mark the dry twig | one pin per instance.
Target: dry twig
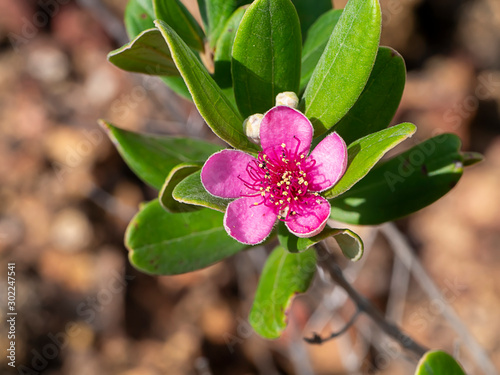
(403, 250)
(326, 262)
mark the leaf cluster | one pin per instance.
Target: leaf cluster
(233, 66)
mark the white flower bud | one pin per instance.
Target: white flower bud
(251, 127)
(288, 98)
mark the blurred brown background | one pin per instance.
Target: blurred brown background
(66, 198)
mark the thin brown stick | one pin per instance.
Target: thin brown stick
(406, 253)
(317, 339)
(325, 261)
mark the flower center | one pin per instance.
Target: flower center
(281, 176)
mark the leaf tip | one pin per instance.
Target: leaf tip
(106, 126)
(159, 24)
(471, 158)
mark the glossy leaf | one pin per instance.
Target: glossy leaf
(284, 275)
(147, 53)
(438, 363)
(266, 55)
(175, 14)
(364, 153)
(210, 101)
(315, 43)
(139, 16)
(309, 13)
(349, 242)
(344, 67)
(403, 184)
(215, 14)
(378, 102)
(222, 58)
(152, 157)
(162, 243)
(176, 175)
(191, 191)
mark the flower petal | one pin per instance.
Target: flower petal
(286, 125)
(310, 222)
(249, 223)
(331, 162)
(221, 172)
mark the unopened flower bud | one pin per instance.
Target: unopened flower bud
(288, 98)
(251, 127)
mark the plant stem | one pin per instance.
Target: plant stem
(317, 339)
(325, 261)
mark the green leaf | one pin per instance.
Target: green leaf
(284, 275)
(211, 102)
(344, 67)
(139, 16)
(162, 243)
(191, 191)
(266, 55)
(175, 14)
(147, 53)
(309, 13)
(364, 153)
(378, 102)
(315, 43)
(176, 175)
(471, 158)
(403, 184)
(349, 242)
(222, 58)
(152, 157)
(215, 14)
(438, 363)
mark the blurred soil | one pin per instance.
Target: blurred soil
(66, 198)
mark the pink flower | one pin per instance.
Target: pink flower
(282, 183)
